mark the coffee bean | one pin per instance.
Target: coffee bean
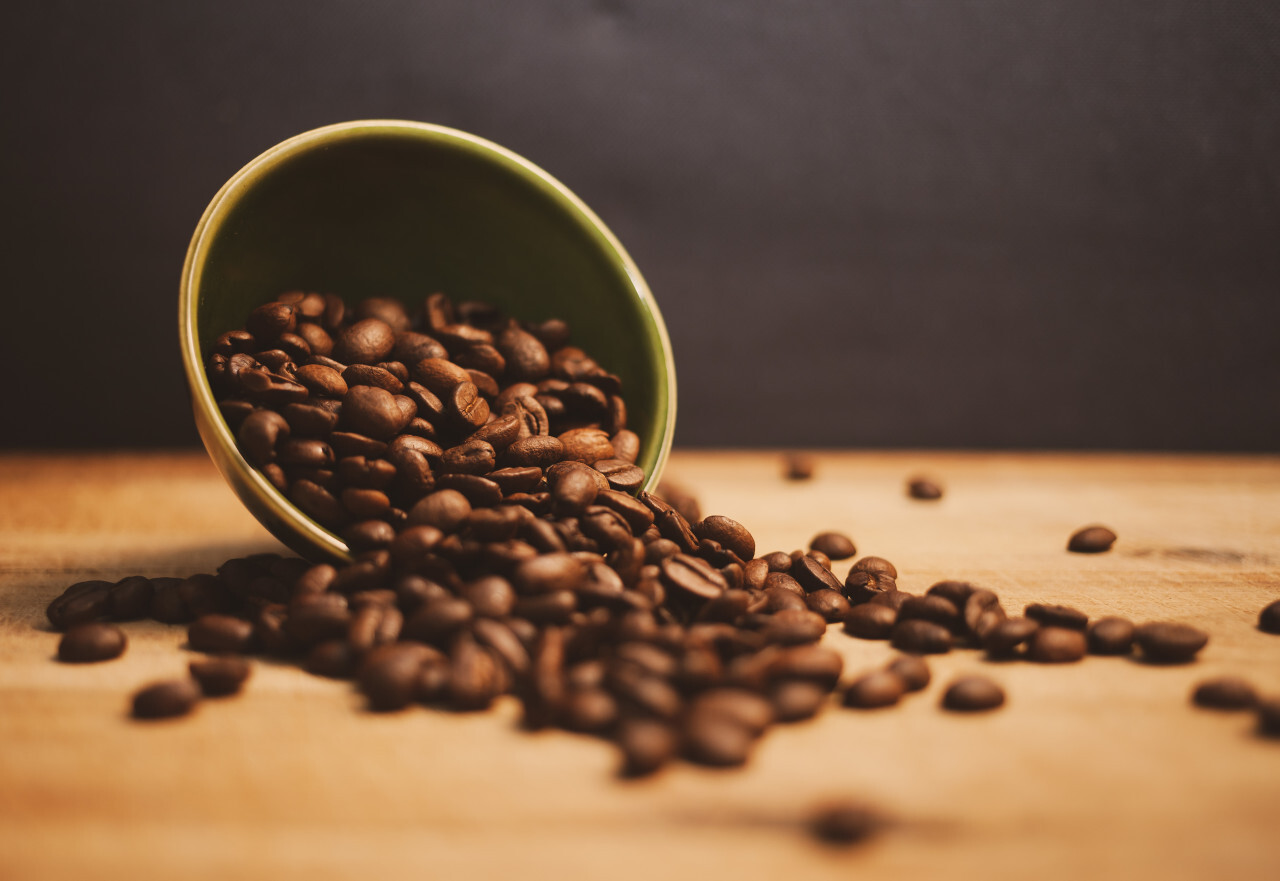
(367, 341)
(982, 613)
(794, 627)
(729, 533)
(880, 688)
(923, 489)
(913, 671)
(870, 621)
(218, 677)
(1225, 693)
(1269, 618)
(1057, 616)
(219, 634)
(94, 641)
(970, 694)
(1166, 642)
(1091, 540)
(831, 605)
(130, 598)
(955, 592)
(813, 575)
(1056, 645)
(1111, 636)
(931, 607)
(163, 700)
(835, 545)
(796, 700)
(647, 745)
(388, 675)
(715, 740)
(797, 466)
(863, 584)
(844, 823)
(921, 637)
(80, 603)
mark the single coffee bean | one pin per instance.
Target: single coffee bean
(921, 637)
(982, 612)
(163, 700)
(389, 674)
(870, 621)
(912, 669)
(1056, 645)
(970, 694)
(813, 575)
(731, 535)
(80, 603)
(1091, 540)
(1269, 618)
(880, 688)
(794, 627)
(1225, 693)
(830, 604)
(836, 545)
(218, 677)
(220, 634)
(716, 740)
(795, 700)
(798, 466)
(931, 607)
(923, 489)
(1057, 616)
(1111, 636)
(646, 744)
(367, 341)
(86, 643)
(1167, 642)
(130, 598)
(844, 823)
(890, 599)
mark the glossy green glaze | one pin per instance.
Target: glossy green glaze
(401, 209)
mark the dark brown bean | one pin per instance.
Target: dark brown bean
(1225, 693)
(924, 489)
(94, 641)
(972, 694)
(219, 677)
(646, 744)
(797, 466)
(163, 700)
(1167, 642)
(796, 700)
(1091, 540)
(913, 670)
(836, 545)
(813, 574)
(1003, 639)
(1057, 616)
(1269, 717)
(1269, 618)
(220, 634)
(921, 637)
(1056, 645)
(844, 823)
(879, 688)
(1111, 636)
(870, 621)
(830, 604)
(367, 341)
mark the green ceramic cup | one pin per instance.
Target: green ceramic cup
(401, 209)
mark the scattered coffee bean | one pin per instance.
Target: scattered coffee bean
(920, 637)
(1091, 540)
(798, 466)
(1003, 639)
(167, 699)
(220, 634)
(1269, 618)
(870, 621)
(1167, 642)
(1269, 717)
(844, 823)
(880, 688)
(923, 489)
(1056, 645)
(218, 677)
(794, 700)
(1111, 636)
(86, 643)
(1225, 693)
(912, 669)
(972, 694)
(836, 545)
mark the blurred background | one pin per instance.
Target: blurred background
(1044, 223)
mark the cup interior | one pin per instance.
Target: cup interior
(402, 209)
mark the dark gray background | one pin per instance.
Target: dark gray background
(1048, 223)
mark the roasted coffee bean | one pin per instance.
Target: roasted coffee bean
(893, 599)
(862, 586)
(1269, 717)
(369, 374)
(317, 617)
(923, 489)
(130, 598)
(971, 694)
(372, 411)
(813, 575)
(646, 744)
(163, 700)
(590, 711)
(1056, 645)
(693, 577)
(830, 604)
(1269, 618)
(622, 476)
(836, 545)
(1091, 540)
(931, 607)
(796, 700)
(1003, 639)
(955, 592)
(367, 341)
(332, 658)
(1057, 616)
(912, 669)
(982, 612)
(626, 443)
(220, 634)
(219, 677)
(794, 627)
(444, 509)
(1225, 693)
(588, 445)
(844, 823)
(822, 558)
(87, 643)
(80, 603)
(920, 637)
(870, 621)
(322, 380)
(710, 739)
(388, 675)
(879, 688)
(1111, 636)
(729, 534)
(372, 625)
(1167, 642)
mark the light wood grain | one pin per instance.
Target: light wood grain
(1100, 769)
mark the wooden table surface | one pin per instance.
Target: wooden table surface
(1100, 769)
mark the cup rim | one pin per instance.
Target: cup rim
(270, 506)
